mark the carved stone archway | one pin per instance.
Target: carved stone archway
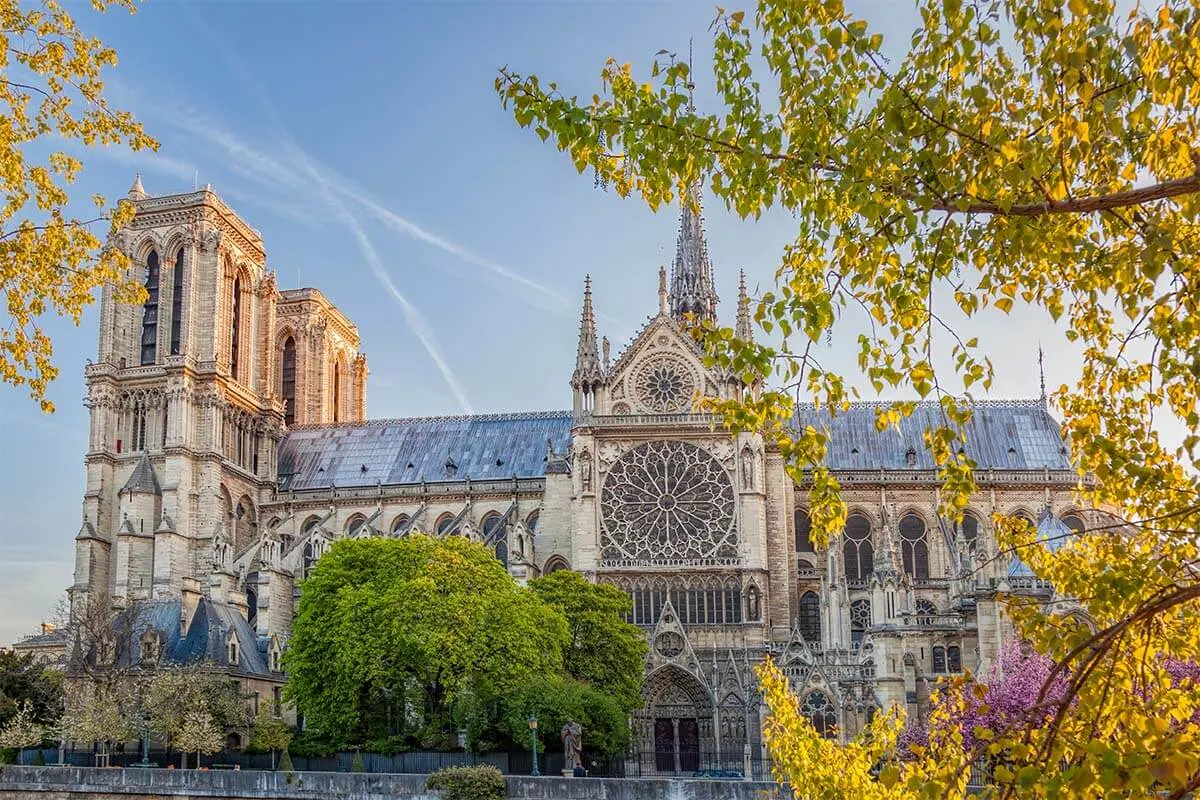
(675, 724)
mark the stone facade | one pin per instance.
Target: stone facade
(226, 459)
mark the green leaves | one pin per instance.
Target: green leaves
(932, 191)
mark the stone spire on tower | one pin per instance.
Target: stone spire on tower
(743, 330)
(137, 191)
(692, 289)
(587, 357)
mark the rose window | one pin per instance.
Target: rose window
(667, 501)
(664, 385)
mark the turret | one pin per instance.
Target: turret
(588, 375)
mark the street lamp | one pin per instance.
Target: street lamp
(533, 734)
(145, 740)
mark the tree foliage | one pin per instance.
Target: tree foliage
(24, 680)
(270, 732)
(555, 700)
(170, 694)
(50, 258)
(199, 734)
(23, 730)
(1008, 153)
(435, 625)
(604, 650)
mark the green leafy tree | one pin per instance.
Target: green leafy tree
(270, 732)
(51, 261)
(199, 734)
(421, 624)
(604, 650)
(23, 730)
(23, 679)
(1002, 154)
(285, 762)
(555, 700)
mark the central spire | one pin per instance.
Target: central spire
(692, 289)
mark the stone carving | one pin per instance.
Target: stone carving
(667, 501)
(572, 738)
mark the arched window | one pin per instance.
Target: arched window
(252, 607)
(954, 658)
(177, 305)
(309, 525)
(860, 620)
(399, 524)
(308, 560)
(913, 548)
(1074, 522)
(337, 391)
(821, 714)
(810, 618)
(970, 530)
(236, 327)
(355, 525)
(939, 660)
(491, 527)
(150, 311)
(502, 553)
(555, 564)
(444, 522)
(288, 387)
(531, 522)
(856, 549)
(803, 532)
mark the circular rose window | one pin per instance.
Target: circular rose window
(667, 501)
(665, 385)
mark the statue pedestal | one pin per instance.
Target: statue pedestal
(568, 773)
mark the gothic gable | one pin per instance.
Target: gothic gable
(661, 372)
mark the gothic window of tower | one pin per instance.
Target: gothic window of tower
(177, 291)
(338, 371)
(914, 549)
(857, 550)
(287, 379)
(149, 351)
(237, 318)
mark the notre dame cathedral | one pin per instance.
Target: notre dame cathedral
(230, 446)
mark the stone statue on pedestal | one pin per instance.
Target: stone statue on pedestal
(572, 738)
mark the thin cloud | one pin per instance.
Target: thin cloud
(416, 321)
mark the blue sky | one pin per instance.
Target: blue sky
(366, 143)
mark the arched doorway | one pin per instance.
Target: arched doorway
(675, 722)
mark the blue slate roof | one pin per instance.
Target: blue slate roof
(1007, 434)
(206, 637)
(397, 451)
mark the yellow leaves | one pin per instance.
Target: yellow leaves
(51, 263)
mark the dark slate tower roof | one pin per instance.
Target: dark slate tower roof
(1002, 435)
(143, 478)
(430, 449)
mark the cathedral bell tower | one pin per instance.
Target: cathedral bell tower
(185, 414)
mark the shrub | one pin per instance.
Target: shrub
(285, 763)
(481, 782)
(38, 760)
(313, 745)
(357, 764)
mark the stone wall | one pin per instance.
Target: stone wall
(87, 783)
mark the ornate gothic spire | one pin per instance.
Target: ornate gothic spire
(137, 191)
(692, 289)
(587, 357)
(743, 330)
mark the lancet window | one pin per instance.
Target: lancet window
(803, 524)
(177, 305)
(914, 549)
(810, 618)
(150, 311)
(697, 601)
(856, 548)
(288, 381)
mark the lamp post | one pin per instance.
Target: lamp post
(533, 734)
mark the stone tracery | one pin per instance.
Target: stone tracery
(667, 501)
